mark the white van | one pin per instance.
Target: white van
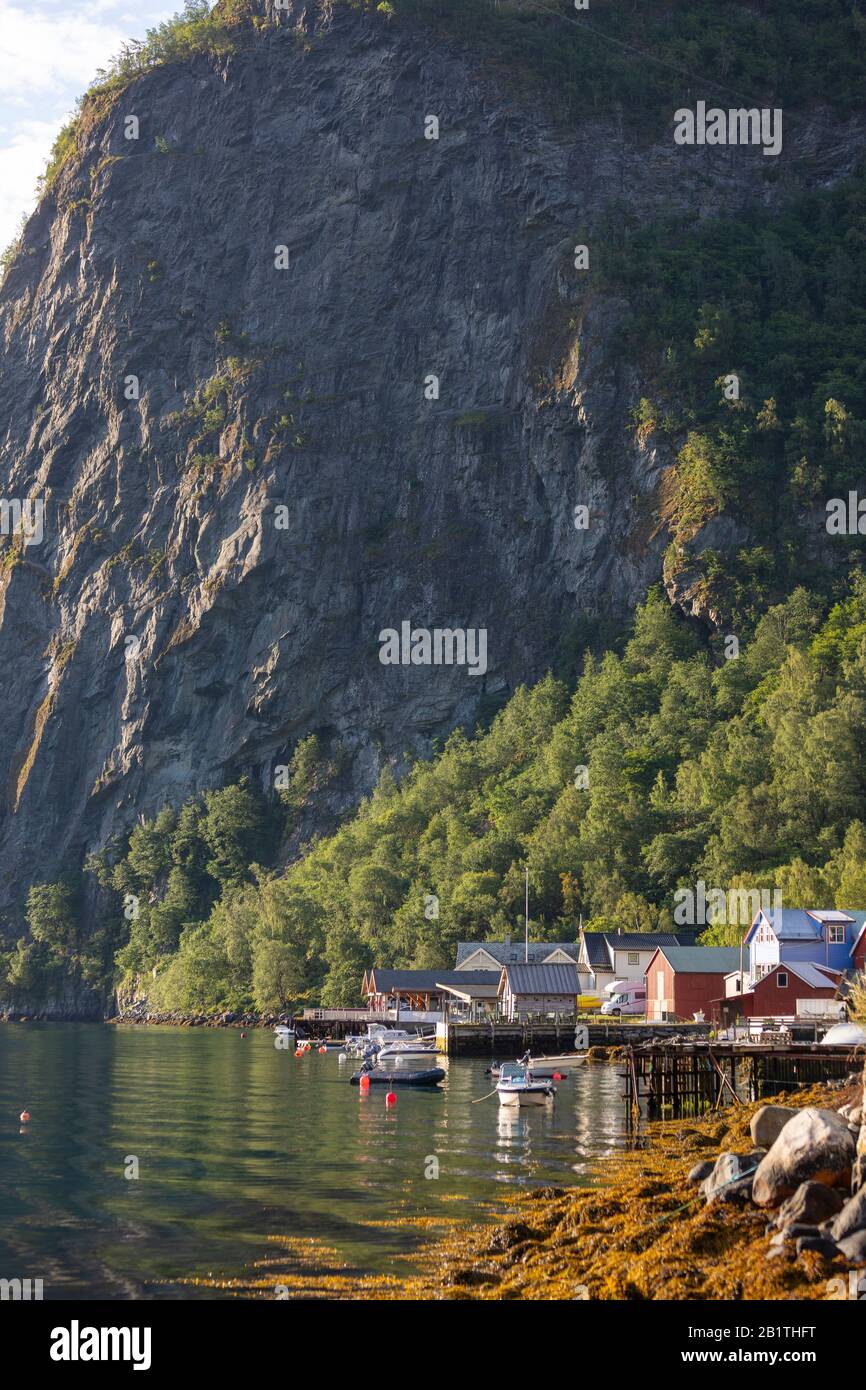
(628, 997)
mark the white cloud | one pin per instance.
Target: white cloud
(50, 53)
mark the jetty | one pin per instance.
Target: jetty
(690, 1077)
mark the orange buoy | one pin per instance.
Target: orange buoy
(323, 1049)
(364, 1085)
(299, 1052)
(557, 1076)
(390, 1099)
(25, 1117)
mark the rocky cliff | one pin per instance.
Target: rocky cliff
(218, 346)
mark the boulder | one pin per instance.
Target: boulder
(731, 1178)
(768, 1122)
(700, 1171)
(823, 1245)
(811, 1204)
(851, 1218)
(814, 1145)
(853, 1247)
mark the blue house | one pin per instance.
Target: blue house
(817, 935)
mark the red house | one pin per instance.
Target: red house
(858, 950)
(684, 980)
(782, 991)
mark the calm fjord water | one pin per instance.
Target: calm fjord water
(238, 1143)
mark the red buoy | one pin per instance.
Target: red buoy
(364, 1085)
(557, 1076)
(243, 1035)
(323, 1049)
(25, 1117)
(390, 1099)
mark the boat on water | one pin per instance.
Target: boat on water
(407, 1050)
(546, 1067)
(517, 1085)
(284, 1032)
(429, 1076)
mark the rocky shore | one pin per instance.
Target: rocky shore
(755, 1202)
(140, 1012)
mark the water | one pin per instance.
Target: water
(248, 1154)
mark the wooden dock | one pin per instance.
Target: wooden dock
(505, 1041)
(678, 1079)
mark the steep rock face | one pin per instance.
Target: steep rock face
(174, 627)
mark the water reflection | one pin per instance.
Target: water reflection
(239, 1142)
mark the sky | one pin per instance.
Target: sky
(49, 53)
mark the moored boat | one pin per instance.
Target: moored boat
(429, 1076)
(518, 1086)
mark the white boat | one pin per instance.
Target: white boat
(518, 1086)
(407, 1050)
(546, 1066)
(283, 1032)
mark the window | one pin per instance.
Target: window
(782, 979)
(633, 958)
(837, 936)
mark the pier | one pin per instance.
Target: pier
(677, 1079)
(504, 1040)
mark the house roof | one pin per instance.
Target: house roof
(801, 923)
(514, 952)
(385, 981)
(859, 929)
(643, 940)
(702, 960)
(542, 979)
(600, 945)
(812, 974)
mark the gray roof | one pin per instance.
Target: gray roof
(703, 960)
(801, 924)
(543, 979)
(645, 940)
(810, 973)
(514, 952)
(600, 945)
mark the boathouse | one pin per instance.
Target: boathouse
(541, 991)
(418, 991)
(685, 980)
(791, 990)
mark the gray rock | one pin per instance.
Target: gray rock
(814, 1145)
(252, 638)
(851, 1218)
(822, 1244)
(767, 1123)
(730, 1179)
(700, 1171)
(812, 1203)
(853, 1247)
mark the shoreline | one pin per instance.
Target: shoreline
(642, 1232)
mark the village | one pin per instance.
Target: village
(792, 970)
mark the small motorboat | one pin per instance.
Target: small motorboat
(430, 1076)
(407, 1050)
(283, 1032)
(546, 1066)
(518, 1086)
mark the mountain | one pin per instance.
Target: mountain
(219, 340)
